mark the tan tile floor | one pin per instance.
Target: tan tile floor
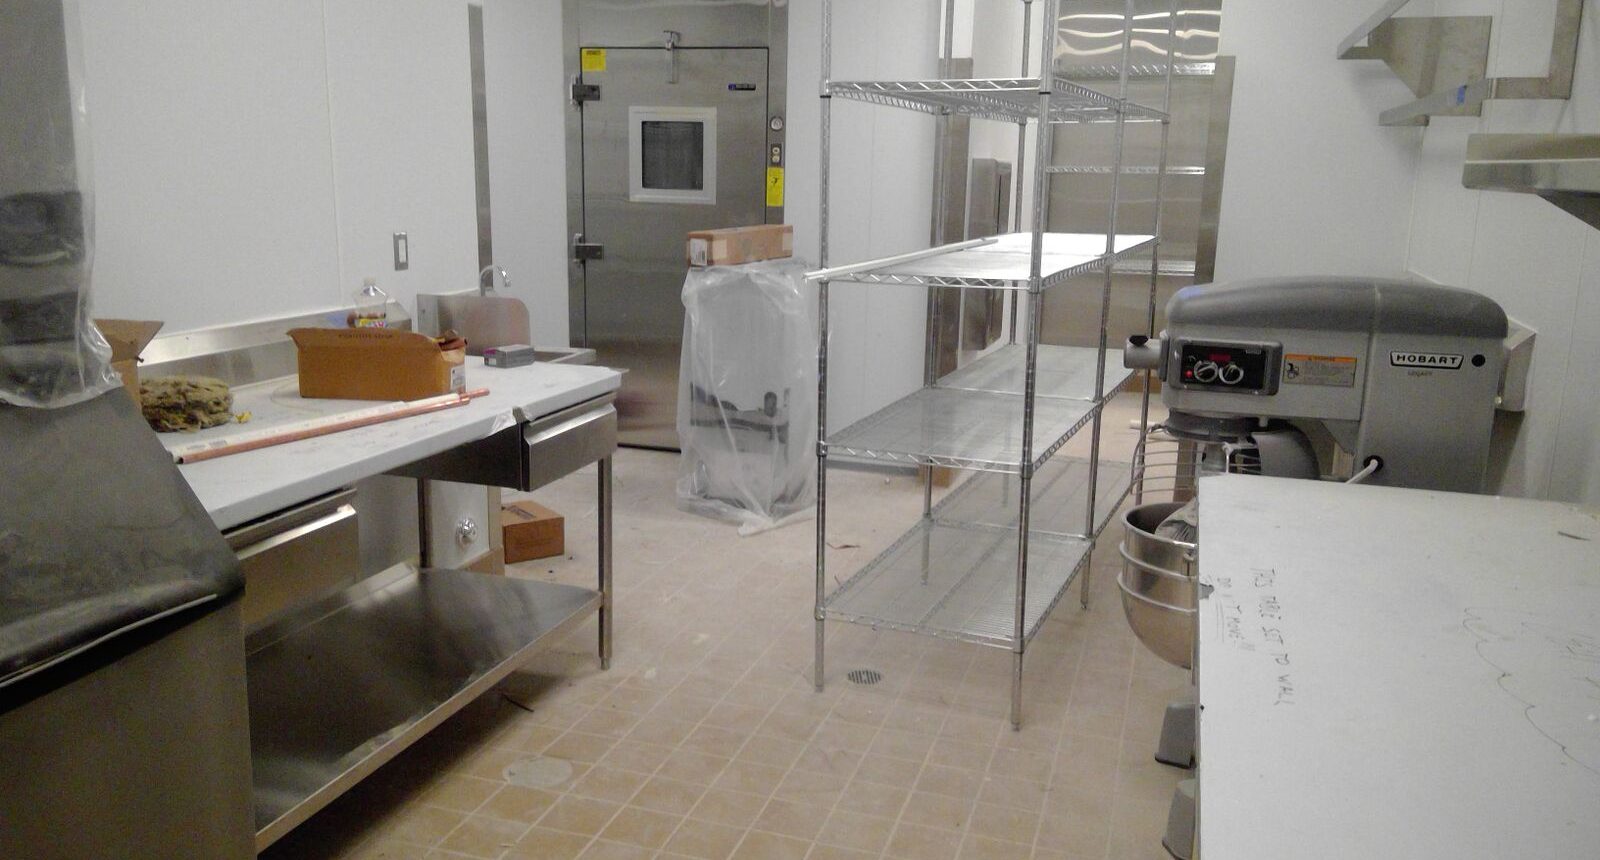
(705, 739)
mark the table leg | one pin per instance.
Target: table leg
(605, 562)
(424, 529)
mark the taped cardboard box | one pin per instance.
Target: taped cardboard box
(735, 245)
(531, 531)
(128, 338)
(378, 364)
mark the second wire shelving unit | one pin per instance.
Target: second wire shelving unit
(994, 556)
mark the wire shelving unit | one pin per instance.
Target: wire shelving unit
(990, 561)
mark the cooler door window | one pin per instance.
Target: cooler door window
(672, 155)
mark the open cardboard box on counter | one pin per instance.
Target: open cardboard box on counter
(377, 364)
(128, 338)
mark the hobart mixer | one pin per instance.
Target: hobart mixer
(1386, 382)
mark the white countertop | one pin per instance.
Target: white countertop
(1396, 673)
(242, 487)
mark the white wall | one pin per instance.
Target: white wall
(212, 160)
(400, 95)
(527, 168)
(1540, 263)
(881, 189)
(1314, 185)
(252, 160)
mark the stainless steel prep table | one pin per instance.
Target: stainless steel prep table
(340, 686)
(1396, 673)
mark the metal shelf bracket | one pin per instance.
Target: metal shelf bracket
(1444, 61)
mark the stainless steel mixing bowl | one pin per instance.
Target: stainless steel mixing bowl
(1157, 583)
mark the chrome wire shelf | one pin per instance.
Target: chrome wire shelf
(1000, 99)
(1061, 371)
(1127, 170)
(953, 575)
(1136, 71)
(958, 582)
(960, 429)
(1060, 491)
(1166, 268)
(973, 417)
(969, 570)
(1002, 264)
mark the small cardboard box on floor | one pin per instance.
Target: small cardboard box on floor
(735, 245)
(532, 531)
(128, 338)
(377, 364)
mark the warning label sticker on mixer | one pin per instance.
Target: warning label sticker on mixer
(1333, 370)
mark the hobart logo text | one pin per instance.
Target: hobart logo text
(1425, 359)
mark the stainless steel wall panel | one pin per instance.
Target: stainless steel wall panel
(1091, 33)
(1090, 44)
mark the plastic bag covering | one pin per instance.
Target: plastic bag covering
(747, 394)
(50, 352)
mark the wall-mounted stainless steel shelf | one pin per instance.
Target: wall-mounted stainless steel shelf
(1366, 28)
(1001, 99)
(1444, 61)
(1562, 168)
(1004, 263)
(959, 582)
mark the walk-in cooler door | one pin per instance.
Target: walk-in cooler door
(674, 140)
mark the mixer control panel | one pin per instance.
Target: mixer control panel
(1245, 368)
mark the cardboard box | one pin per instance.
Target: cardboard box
(531, 531)
(377, 364)
(128, 338)
(735, 245)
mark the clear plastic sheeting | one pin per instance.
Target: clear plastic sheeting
(747, 394)
(50, 352)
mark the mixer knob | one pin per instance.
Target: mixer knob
(1206, 372)
(1231, 374)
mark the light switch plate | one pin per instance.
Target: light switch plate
(402, 252)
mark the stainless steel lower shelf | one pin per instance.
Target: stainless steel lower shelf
(958, 582)
(342, 686)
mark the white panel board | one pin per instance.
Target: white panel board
(1396, 673)
(213, 175)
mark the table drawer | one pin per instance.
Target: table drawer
(297, 555)
(530, 454)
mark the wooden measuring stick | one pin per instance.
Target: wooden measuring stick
(269, 437)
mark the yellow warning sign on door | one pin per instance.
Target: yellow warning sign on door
(774, 186)
(593, 59)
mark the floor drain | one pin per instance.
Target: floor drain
(540, 772)
(865, 677)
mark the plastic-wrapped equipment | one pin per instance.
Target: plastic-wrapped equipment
(747, 394)
(50, 352)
